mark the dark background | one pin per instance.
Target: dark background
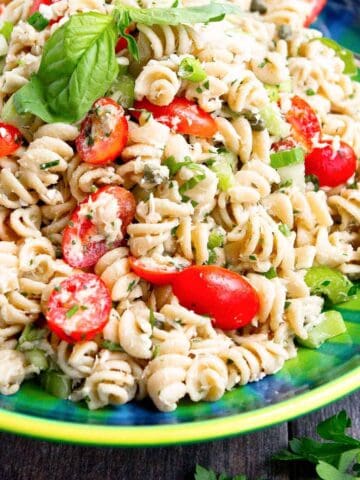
(26, 459)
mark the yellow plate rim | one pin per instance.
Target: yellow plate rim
(157, 435)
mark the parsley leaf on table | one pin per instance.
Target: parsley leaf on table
(334, 458)
(204, 474)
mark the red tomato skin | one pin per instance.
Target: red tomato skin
(156, 277)
(36, 5)
(56, 311)
(107, 148)
(318, 7)
(182, 115)
(11, 140)
(332, 168)
(215, 291)
(305, 124)
(80, 228)
(120, 44)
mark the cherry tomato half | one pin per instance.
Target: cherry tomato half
(305, 124)
(224, 295)
(154, 273)
(318, 5)
(79, 307)
(103, 134)
(85, 237)
(10, 139)
(332, 167)
(182, 115)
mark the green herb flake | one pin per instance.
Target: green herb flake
(287, 305)
(131, 286)
(253, 257)
(314, 180)
(112, 346)
(72, 311)
(38, 21)
(285, 230)
(190, 69)
(152, 318)
(45, 166)
(310, 92)
(271, 273)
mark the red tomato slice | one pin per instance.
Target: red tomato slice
(305, 124)
(79, 307)
(224, 295)
(331, 167)
(10, 139)
(83, 241)
(156, 274)
(103, 134)
(121, 44)
(36, 6)
(182, 115)
(318, 6)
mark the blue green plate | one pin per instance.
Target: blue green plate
(310, 381)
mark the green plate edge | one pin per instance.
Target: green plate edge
(162, 435)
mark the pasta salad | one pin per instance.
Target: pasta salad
(179, 194)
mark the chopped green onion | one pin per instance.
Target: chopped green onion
(123, 91)
(216, 239)
(175, 166)
(223, 166)
(336, 290)
(112, 346)
(38, 21)
(190, 69)
(331, 326)
(271, 273)
(6, 30)
(70, 313)
(10, 115)
(284, 158)
(273, 121)
(37, 358)
(56, 383)
(343, 53)
(31, 334)
(284, 229)
(274, 91)
(310, 92)
(156, 351)
(45, 166)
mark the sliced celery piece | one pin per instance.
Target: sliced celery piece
(223, 166)
(329, 282)
(37, 358)
(331, 326)
(56, 383)
(274, 122)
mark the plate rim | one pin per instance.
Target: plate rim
(180, 433)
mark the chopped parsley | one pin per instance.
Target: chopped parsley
(71, 312)
(45, 166)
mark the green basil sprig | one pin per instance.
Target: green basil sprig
(79, 62)
(77, 67)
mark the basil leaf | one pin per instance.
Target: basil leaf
(214, 12)
(328, 472)
(77, 67)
